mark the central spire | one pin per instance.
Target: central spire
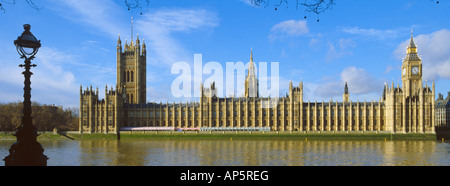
(251, 66)
(346, 88)
(131, 31)
(251, 82)
(251, 54)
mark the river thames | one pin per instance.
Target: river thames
(241, 152)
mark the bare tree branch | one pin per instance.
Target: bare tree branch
(318, 6)
(13, 2)
(136, 4)
(32, 5)
(315, 6)
(3, 2)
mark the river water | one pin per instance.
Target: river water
(240, 152)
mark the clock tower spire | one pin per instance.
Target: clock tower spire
(411, 70)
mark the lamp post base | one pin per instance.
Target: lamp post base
(23, 154)
(26, 151)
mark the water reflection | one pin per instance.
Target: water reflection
(241, 152)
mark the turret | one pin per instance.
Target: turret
(345, 97)
(290, 86)
(144, 49)
(119, 45)
(138, 45)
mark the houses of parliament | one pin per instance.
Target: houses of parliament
(409, 108)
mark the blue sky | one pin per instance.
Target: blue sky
(361, 42)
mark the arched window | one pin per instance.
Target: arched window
(131, 98)
(128, 76)
(132, 76)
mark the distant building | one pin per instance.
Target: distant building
(406, 109)
(443, 111)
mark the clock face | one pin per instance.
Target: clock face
(415, 70)
(404, 71)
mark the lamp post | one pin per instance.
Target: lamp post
(26, 151)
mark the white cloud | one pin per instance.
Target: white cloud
(389, 68)
(289, 28)
(371, 32)
(52, 80)
(101, 14)
(159, 26)
(434, 50)
(159, 29)
(329, 89)
(247, 2)
(342, 49)
(359, 81)
(51, 74)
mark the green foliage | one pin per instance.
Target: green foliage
(45, 117)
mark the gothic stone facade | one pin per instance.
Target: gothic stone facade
(443, 111)
(407, 109)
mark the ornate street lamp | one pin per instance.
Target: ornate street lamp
(26, 151)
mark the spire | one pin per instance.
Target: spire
(411, 51)
(119, 45)
(251, 82)
(411, 42)
(137, 39)
(251, 66)
(144, 50)
(346, 88)
(131, 29)
(345, 97)
(433, 86)
(301, 83)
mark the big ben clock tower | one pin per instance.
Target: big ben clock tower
(411, 70)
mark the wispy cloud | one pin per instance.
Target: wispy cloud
(339, 49)
(53, 80)
(100, 14)
(288, 29)
(360, 82)
(160, 26)
(247, 2)
(159, 29)
(372, 32)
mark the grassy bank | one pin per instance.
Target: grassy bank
(233, 136)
